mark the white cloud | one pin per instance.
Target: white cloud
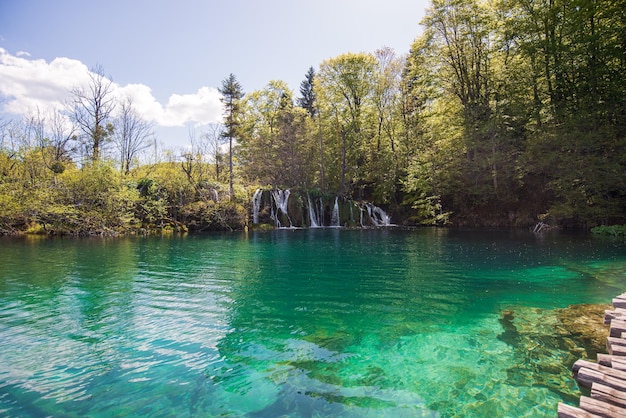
(28, 84)
(203, 107)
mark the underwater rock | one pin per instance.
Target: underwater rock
(550, 341)
(584, 325)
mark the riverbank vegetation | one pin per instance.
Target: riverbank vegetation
(503, 114)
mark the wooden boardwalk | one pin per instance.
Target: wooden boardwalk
(607, 377)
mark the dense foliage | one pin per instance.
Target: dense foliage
(504, 113)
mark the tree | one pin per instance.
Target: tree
(308, 98)
(53, 135)
(387, 160)
(232, 93)
(213, 139)
(344, 87)
(132, 134)
(91, 108)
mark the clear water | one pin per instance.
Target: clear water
(298, 323)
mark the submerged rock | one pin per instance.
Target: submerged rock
(548, 343)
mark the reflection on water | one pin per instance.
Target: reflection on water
(300, 323)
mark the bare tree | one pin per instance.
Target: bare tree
(132, 134)
(91, 108)
(214, 139)
(53, 135)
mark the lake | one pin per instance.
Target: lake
(299, 323)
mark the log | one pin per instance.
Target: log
(587, 377)
(616, 350)
(596, 406)
(608, 371)
(618, 302)
(616, 340)
(617, 327)
(616, 346)
(616, 362)
(568, 411)
(617, 313)
(605, 360)
(607, 394)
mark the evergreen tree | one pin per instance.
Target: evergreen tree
(232, 94)
(307, 101)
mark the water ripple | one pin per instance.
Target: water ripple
(289, 323)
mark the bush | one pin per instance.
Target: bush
(611, 230)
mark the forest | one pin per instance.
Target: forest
(503, 114)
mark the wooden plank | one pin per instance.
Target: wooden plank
(616, 340)
(607, 394)
(609, 371)
(605, 360)
(616, 346)
(596, 406)
(586, 377)
(568, 411)
(617, 313)
(616, 350)
(615, 362)
(619, 302)
(617, 327)
(618, 362)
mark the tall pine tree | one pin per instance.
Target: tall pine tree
(307, 101)
(232, 94)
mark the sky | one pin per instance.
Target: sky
(170, 57)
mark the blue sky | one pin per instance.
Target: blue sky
(170, 56)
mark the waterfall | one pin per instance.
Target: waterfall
(384, 219)
(378, 216)
(256, 205)
(334, 219)
(315, 223)
(320, 201)
(281, 198)
(361, 216)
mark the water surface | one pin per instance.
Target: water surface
(297, 323)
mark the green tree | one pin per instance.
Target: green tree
(232, 93)
(344, 87)
(307, 94)
(575, 154)
(277, 147)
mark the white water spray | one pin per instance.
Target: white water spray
(377, 216)
(314, 221)
(281, 198)
(334, 219)
(256, 205)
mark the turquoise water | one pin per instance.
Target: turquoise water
(298, 323)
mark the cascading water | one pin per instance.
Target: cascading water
(380, 217)
(314, 221)
(256, 205)
(281, 198)
(377, 216)
(334, 219)
(319, 212)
